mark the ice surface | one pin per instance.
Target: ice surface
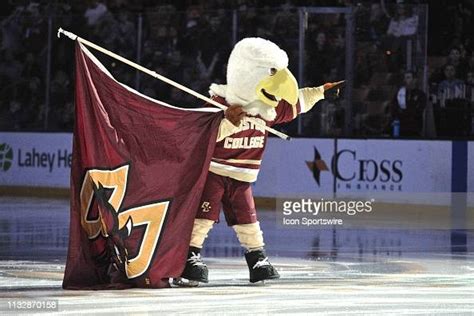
(330, 271)
(438, 285)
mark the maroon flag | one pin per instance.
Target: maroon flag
(138, 170)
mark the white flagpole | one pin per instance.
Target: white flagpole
(156, 75)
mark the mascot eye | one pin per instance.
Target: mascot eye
(272, 71)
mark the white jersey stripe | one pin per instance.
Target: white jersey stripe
(234, 169)
(238, 173)
(242, 161)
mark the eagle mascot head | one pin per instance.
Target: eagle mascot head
(258, 78)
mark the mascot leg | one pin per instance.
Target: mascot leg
(251, 238)
(195, 270)
(207, 214)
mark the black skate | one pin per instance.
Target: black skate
(259, 266)
(195, 270)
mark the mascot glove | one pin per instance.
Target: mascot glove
(231, 123)
(235, 114)
(332, 89)
(311, 96)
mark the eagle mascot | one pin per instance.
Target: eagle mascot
(259, 86)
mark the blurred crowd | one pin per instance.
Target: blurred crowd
(22, 69)
(190, 41)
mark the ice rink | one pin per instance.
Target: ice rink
(330, 271)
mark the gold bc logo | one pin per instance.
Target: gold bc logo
(206, 207)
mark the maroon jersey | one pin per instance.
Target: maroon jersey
(239, 155)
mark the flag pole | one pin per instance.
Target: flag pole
(156, 75)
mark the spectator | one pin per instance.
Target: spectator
(470, 78)
(470, 64)
(15, 117)
(189, 33)
(451, 87)
(95, 12)
(61, 95)
(404, 23)
(378, 22)
(408, 107)
(13, 31)
(206, 72)
(455, 58)
(10, 68)
(461, 21)
(470, 86)
(403, 26)
(452, 111)
(321, 59)
(339, 51)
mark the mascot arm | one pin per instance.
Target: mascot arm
(231, 123)
(309, 97)
(226, 128)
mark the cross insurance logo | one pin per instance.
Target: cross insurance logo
(355, 172)
(6, 157)
(317, 166)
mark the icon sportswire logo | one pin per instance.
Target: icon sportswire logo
(6, 156)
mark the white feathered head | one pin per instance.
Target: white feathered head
(258, 78)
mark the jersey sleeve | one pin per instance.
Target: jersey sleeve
(286, 112)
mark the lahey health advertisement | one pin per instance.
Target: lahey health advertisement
(35, 159)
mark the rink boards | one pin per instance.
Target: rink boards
(415, 171)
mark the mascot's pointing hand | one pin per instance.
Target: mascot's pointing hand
(234, 114)
(310, 96)
(332, 89)
(330, 85)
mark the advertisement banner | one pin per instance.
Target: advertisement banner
(388, 169)
(470, 173)
(35, 159)
(470, 167)
(394, 170)
(300, 166)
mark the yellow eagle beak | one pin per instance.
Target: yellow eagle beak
(281, 85)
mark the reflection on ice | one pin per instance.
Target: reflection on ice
(33, 228)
